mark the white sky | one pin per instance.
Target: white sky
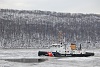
(68, 6)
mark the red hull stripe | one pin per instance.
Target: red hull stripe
(50, 54)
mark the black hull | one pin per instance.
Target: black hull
(56, 54)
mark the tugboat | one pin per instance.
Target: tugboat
(62, 50)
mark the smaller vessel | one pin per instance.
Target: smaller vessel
(62, 50)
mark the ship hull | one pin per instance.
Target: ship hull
(57, 54)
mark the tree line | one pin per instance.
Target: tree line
(33, 29)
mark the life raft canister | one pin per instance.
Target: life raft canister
(50, 54)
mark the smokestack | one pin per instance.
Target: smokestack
(80, 47)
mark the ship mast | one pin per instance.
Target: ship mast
(62, 40)
(60, 37)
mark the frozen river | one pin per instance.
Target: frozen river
(93, 61)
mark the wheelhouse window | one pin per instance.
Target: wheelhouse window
(55, 45)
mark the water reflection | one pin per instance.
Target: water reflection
(27, 60)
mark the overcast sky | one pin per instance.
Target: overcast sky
(68, 6)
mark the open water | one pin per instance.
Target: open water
(11, 58)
